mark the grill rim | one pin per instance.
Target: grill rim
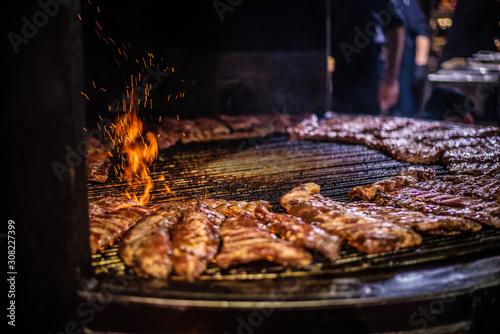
(363, 295)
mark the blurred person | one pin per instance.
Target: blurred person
(364, 81)
(413, 68)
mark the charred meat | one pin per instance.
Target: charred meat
(147, 247)
(195, 240)
(368, 234)
(247, 239)
(107, 227)
(302, 234)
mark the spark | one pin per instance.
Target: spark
(98, 24)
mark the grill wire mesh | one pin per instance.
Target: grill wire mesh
(268, 167)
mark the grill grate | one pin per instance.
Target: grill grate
(266, 168)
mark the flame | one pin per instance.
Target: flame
(138, 151)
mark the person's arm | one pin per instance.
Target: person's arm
(388, 91)
(422, 48)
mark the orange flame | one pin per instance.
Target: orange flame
(140, 152)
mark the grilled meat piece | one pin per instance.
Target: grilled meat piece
(376, 237)
(366, 233)
(180, 235)
(165, 139)
(195, 240)
(483, 187)
(406, 149)
(110, 203)
(230, 208)
(241, 123)
(488, 191)
(302, 234)
(429, 201)
(458, 132)
(409, 140)
(408, 177)
(204, 129)
(211, 129)
(171, 130)
(304, 129)
(98, 166)
(422, 222)
(96, 160)
(416, 130)
(107, 227)
(433, 204)
(247, 239)
(475, 168)
(418, 173)
(147, 247)
(471, 154)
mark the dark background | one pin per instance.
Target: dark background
(262, 55)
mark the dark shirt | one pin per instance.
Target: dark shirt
(358, 36)
(416, 22)
(358, 32)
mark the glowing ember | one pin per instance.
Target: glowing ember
(138, 151)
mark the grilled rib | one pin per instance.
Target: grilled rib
(475, 168)
(98, 165)
(106, 228)
(302, 234)
(181, 235)
(368, 234)
(417, 141)
(403, 195)
(442, 204)
(247, 239)
(147, 247)
(408, 177)
(483, 187)
(422, 222)
(96, 159)
(108, 204)
(376, 237)
(195, 240)
(481, 154)
(229, 208)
